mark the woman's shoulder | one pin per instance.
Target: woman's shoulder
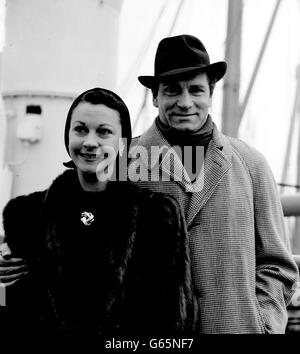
(20, 210)
(25, 202)
(21, 221)
(34, 200)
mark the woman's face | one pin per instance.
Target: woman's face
(95, 129)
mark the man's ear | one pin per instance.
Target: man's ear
(154, 100)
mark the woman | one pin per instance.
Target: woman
(105, 257)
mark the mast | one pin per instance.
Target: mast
(291, 131)
(232, 110)
(296, 238)
(231, 89)
(259, 59)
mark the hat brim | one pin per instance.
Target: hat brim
(215, 71)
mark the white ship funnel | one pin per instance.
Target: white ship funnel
(53, 51)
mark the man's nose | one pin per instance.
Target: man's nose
(184, 101)
(91, 140)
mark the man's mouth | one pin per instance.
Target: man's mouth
(183, 115)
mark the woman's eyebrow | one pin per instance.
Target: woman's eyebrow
(104, 124)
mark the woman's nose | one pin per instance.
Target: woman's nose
(91, 141)
(184, 101)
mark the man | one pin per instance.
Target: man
(242, 269)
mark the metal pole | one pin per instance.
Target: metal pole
(291, 130)
(131, 74)
(2, 126)
(296, 236)
(290, 204)
(144, 104)
(179, 8)
(231, 88)
(262, 51)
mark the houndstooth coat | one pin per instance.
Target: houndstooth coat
(242, 269)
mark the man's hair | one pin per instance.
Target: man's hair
(185, 76)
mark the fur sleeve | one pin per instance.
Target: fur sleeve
(168, 255)
(21, 221)
(172, 213)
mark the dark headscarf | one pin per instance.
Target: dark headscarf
(108, 98)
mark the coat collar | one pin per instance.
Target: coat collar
(216, 164)
(157, 158)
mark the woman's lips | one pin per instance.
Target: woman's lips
(90, 157)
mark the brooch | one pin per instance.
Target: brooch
(87, 218)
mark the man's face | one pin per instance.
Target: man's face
(183, 104)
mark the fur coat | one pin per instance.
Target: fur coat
(128, 272)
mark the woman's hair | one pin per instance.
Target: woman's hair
(108, 98)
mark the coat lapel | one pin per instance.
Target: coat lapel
(160, 157)
(216, 164)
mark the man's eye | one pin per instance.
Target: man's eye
(171, 91)
(197, 91)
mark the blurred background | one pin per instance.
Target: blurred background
(52, 50)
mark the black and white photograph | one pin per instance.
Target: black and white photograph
(149, 171)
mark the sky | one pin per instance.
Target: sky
(265, 124)
(266, 121)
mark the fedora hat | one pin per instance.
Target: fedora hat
(182, 54)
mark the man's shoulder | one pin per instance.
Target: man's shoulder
(134, 141)
(247, 152)
(251, 158)
(150, 137)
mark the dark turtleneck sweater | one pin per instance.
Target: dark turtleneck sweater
(201, 137)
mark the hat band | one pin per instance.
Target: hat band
(181, 70)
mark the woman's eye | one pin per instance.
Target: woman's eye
(104, 131)
(80, 129)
